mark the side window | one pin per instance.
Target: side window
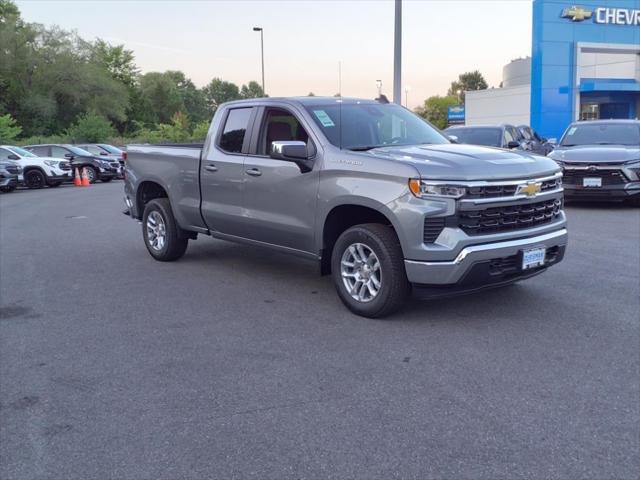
(508, 137)
(58, 152)
(39, 151)
(235, 128)
(92, 149)
(280, 125)
(4, 154)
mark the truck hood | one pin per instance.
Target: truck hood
(468, 162)
(597, 154)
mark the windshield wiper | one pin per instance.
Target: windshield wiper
(364, 148)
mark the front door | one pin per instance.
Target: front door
(280, 200)
(221, 174)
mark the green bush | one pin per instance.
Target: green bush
(9, 129)
(91, 127)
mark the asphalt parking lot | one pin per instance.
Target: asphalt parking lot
(236, 362)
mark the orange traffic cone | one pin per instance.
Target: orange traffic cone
(85, 178)
(76, 180)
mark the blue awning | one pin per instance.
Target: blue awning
(609, 85)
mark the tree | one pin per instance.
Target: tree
(435, 109)
(218, 91)
(8, 128)
(252, 90)
(193, 99)
(160, 98)
(91, 127)
(116, 60)
(311, 94)
(466, 82)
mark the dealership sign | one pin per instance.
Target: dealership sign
(606, 15)
(455, 114)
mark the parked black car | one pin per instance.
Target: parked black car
(601, 160)
(502, 136)
(9, 171)
(536, 143)
(97, 168)
(107, 152)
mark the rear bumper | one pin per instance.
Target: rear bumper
(490, 256)
(604, 193)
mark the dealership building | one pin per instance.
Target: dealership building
(584, 65)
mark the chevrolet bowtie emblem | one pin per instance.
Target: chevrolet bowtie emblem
(576, 14)
(530, 189)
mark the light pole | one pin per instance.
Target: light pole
(259, 29)
(397, 54)
(406, 96)
(379, 85)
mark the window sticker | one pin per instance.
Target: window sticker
(325, 119)
(572, 130)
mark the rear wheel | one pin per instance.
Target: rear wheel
(34, 179)
(162, 236)
(368, 270)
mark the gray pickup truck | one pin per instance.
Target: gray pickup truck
(379, 198)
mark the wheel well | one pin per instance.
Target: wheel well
(28, 169)
(340, 219)
(147, 191)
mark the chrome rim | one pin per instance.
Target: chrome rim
(91, 174)
(156, 231)
(361, 272)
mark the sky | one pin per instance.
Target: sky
(306, 40)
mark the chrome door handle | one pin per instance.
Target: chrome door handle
(211, 168)
(254, 172)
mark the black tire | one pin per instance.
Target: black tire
(106, 180)
(55, 184)
(175, 243)
(7, 189)
(35, 179)
(92, 174)
(394, 286)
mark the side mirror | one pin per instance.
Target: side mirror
(292, 151)
(513, 144)
(13, 156)
(453, 139)
(68, 155)
(104, 153)
(552, 141)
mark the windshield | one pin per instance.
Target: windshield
(22, 152)
(602, 134)
(490, 137)
(365, 126)
(110, 149)
(78, 151)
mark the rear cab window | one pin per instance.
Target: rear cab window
(235, 128)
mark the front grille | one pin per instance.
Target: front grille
(115, 164)
(432, 228)
(65, 166)
(609, 177)
(513, 217)
(492, 191)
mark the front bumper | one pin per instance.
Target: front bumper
(8, 181)
(453, 272)
(604, 193)
(108, 173)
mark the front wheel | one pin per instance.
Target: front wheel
(92, 174)
(34, 179)
(368, 270)
(7, 189)
(161, 233)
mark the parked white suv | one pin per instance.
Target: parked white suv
(37, 171)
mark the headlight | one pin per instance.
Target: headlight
(422, 189)
(52, 163)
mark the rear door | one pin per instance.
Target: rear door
(221, 172)
(279, 200)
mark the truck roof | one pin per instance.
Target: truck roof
(306, 100)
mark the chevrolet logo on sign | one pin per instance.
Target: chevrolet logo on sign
(576, 14)
(530, 189)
